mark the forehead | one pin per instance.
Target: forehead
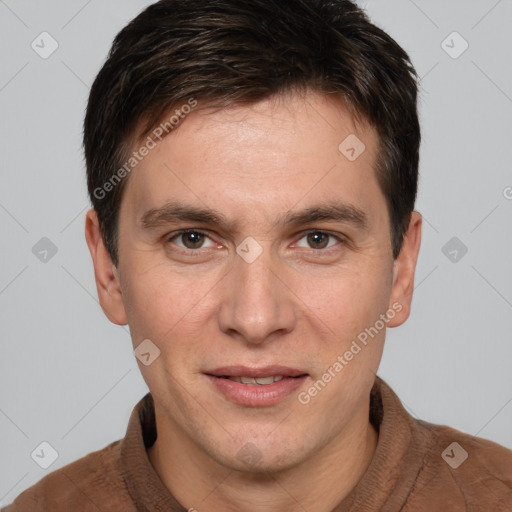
(263, 157)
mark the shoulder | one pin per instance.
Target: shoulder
(92, 483)
(466, 470)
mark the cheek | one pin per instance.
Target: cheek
(165, 305)
(149, 300)
(161, 308)
(348, 301)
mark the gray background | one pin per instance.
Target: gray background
(69, 377)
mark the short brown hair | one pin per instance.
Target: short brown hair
(232, 52)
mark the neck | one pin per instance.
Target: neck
(319, 483)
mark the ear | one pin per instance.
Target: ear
(403, 272)
(105, 273)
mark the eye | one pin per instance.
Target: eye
(318, 240)
(191, 239)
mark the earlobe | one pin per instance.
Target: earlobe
(403, 271)
(105, 273)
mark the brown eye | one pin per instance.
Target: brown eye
(318, 240)
(189, 239)
(192, 239)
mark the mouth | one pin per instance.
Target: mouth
(258, 381)
(256, 387)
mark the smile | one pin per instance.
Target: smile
(258, 381)
(256, 387)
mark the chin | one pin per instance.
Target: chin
(260, 458)
(265, 466)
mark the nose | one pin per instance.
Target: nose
(256, 304)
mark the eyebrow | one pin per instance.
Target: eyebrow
(174, 212)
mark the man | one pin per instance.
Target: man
(253, 171)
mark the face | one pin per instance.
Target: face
(251, 247)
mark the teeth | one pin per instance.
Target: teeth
(259, 381)
(265, 380)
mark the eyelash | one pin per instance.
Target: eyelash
(177, 234)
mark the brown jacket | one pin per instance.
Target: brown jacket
(417, 467)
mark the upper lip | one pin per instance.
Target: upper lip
(246, 371)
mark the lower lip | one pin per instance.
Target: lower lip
(257, 395)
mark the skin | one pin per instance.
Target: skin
(299, 304)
